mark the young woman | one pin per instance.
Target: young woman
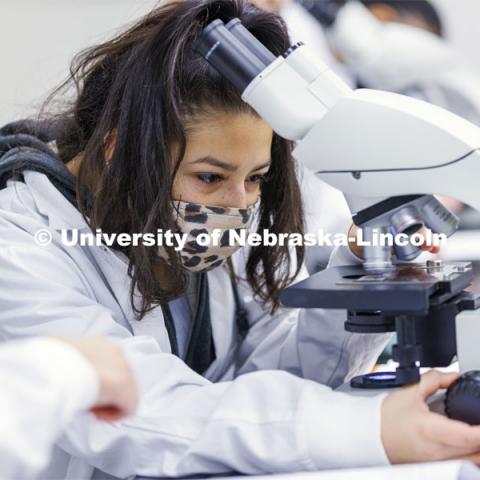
(230, 380)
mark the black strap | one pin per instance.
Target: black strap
(200, 345)
(201, 349)
(241, 314)
(170, 326)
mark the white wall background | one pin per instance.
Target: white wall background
(39, 37)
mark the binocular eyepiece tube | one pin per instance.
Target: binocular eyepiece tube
(233, 51)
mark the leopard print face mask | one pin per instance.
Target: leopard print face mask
(194, 219)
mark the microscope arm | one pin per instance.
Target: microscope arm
(377, 144)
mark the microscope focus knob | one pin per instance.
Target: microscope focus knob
(462, 401)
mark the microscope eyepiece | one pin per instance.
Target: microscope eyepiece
(233, 51)
(252, 43)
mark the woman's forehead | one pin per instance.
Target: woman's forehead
(230, 138)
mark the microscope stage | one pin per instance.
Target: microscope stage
(408, 288)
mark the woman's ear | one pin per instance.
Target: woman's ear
(109, 142)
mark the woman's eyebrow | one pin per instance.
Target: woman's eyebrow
(264, 165)
(226, 166)
(216, 163)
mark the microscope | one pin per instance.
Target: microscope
(389, 155)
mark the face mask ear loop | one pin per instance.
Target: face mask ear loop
(176, 206)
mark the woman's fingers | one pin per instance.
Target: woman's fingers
(454, 433)
(411, 432)
(433, 380)
(118, 393)
(451, 433)
(109, 414)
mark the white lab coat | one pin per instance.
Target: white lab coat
(44, 384)
(267, 419)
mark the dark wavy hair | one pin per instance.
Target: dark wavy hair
(141, 86)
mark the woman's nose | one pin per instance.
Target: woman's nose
(236, 198)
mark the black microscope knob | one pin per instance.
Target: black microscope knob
(462, 401)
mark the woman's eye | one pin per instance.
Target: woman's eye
(209, 177)
(259, 178)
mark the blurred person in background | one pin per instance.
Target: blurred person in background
(400, 46)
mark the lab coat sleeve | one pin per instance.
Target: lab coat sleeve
(387, 55)
(44, 384)
(265, 421)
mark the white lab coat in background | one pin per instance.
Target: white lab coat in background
(267, 419)
(405, 59)
(44, 384)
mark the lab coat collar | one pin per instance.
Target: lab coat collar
(51, 203)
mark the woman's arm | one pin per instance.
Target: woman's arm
(44, 384)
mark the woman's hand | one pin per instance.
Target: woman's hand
(412, 433)
(118, 396)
